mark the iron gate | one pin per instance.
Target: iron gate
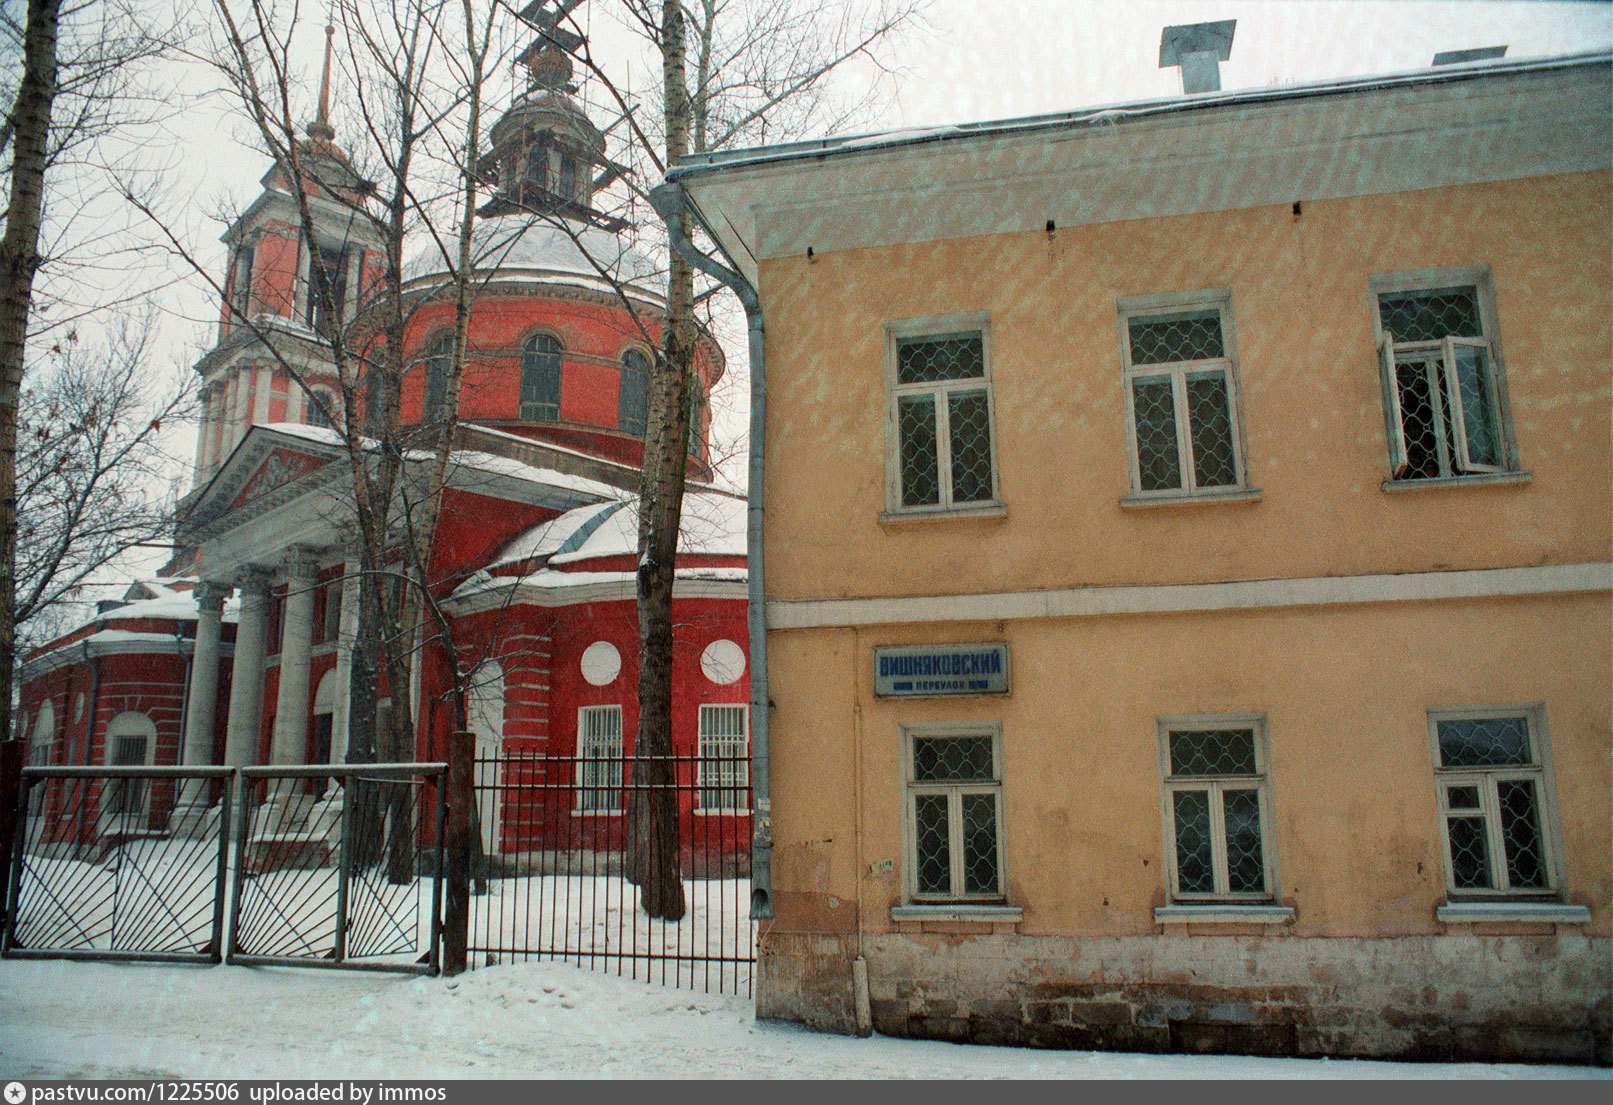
(550, 880)
(98, 871)
(339, 866)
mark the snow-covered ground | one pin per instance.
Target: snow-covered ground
(64, 1019)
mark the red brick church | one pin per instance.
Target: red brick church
(241, 652)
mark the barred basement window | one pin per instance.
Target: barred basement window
(724, 758)
(1181, 394)
(1498, 832)
(954, 814)
(540, 379)
(940, 439)
(1444, 391)
(599, 759)
(1217, 808)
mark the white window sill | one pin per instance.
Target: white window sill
(721, 813)
(1480, 479)
(899, 517)
(1555, 912)
(957, 912)
(1196, 498)
(1223, 913)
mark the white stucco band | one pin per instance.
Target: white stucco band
(1072, 602)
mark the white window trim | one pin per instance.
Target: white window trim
(1169, 785)
(1129, 307)
(577, 809)
(910, 894)
(1418, 280)
(937, 325)
(1534, 714)
(700, 736)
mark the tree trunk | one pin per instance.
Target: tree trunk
(19, 261)
(654, 846)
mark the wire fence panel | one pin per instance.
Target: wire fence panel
(339, 866)
(103, 868)
(555, 878)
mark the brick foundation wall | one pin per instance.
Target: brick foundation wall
(1458, 996)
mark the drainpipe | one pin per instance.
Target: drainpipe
(670, 202)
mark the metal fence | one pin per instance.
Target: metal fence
(100, 870)
(339, 866)
(556, 856)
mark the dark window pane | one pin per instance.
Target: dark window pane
(1154, 407)
(1520, 833)
(1431, 315)
(932, 852)
(540, 379)
(1179, 336)
(1470, 854)
(1246, 867)
(1484, 742)
(1209, 421)
(436, 357)
(1192, 815)
(1213, 752)
(943, 357)
(1462, 798)
(921, 484)
(979, 844)
(953, 760)
(1478, 415)
(632, 397)
(970, 425)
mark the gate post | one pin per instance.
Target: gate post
(461, 802)
(10, 823)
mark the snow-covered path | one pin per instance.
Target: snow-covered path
(60, 1019)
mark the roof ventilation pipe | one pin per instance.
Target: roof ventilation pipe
(1199, 48)
(671, 203)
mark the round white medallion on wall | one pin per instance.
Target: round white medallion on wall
(723, 661)
(601, 663)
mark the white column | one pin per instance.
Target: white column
(346, 633)
(246, 681)
(199, 701)
(296, 649)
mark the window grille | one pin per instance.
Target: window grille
(1216, 801)
(942, 414)
(600, 756)
(540, 379)
(632, 396)
(954, 817)
(1182, 394)
(317, 408)
(1492, 800)
(1442, 382)
(724, 758)
(126, 797)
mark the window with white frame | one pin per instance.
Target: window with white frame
(724, 757)
(1497, 826)
(1217, 808)
(599, 759)
(941, 453)
(1181, 394)
(954, 814)
(1444, 392)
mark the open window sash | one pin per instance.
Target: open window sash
(1394, 415)
(1477, 432)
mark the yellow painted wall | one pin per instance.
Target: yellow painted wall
(1345, 692)
(1307, 367)
(1345, 688)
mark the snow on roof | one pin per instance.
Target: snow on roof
(713, 525)
(516, 243)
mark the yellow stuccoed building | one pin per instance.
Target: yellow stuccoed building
(1185, 545)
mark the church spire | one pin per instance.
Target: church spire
(320, 128)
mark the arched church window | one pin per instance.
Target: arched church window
(697, 407)
(436, 358)
(632, 396)
(320, 405)
(374, 402)
(540, 379)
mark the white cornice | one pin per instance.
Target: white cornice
(116, 643)
(596, 587)
(1256, 594)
